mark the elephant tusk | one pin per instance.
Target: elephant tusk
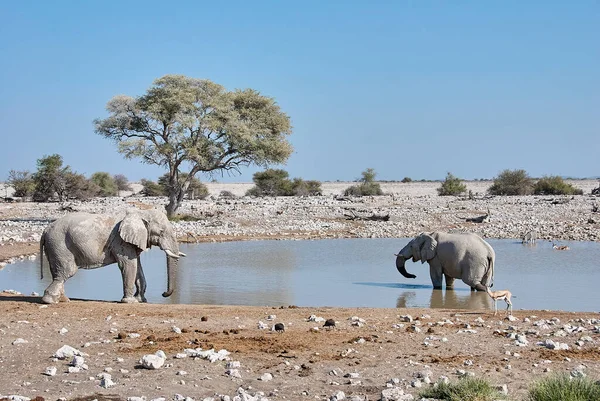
(171, 254)
(182, 254)
(396, 254)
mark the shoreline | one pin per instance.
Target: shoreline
(412, 208)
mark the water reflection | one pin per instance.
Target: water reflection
(345, 273)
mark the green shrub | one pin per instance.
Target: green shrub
(150, 188)
(49, 178)
(196, 190)
(275, 182)
(512, 182)
(466, 389)
(22, 182)
(406, 179)
(306, 188)
(106, 184)
(271, 182)
(564, 388)
(554, 185)
(367, 187)
(76, 186)
(451, 186)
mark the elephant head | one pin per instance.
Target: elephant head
(145, 228)
(422, 247)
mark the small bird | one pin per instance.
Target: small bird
(560, 247)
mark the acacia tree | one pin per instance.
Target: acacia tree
(195, 124)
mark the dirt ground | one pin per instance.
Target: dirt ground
(306, 360)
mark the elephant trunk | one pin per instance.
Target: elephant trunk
(171, 267)
(400, 266)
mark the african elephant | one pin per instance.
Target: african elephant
(89, 241)
(462, 255)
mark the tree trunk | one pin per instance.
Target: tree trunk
(176, 194)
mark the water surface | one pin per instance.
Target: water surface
(341, 272)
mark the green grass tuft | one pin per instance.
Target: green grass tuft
(564, 388)
(467, 389)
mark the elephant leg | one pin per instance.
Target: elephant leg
(61, 272)
(449, 281)
(140, 283)
(129, 272)
(435, 271)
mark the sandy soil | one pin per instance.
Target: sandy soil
(305, 363)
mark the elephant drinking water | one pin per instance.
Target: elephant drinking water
(463, 255)
(88, 241)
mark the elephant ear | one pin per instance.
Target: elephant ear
(428, 248)
(133, 230)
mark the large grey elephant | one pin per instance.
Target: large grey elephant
(463, 255)
(88, 241)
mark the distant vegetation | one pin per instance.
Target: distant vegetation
(53, 181)
(276, 182)
(512, 182)
(367, 185)
(406, 179)
(554, 185)
(451, 186)
(518, 182)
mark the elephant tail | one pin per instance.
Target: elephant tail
(42, 244)
(491, 269)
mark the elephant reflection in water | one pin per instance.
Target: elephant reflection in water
(447, 299)
(452, 300)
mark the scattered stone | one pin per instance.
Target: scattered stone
(315, 318)
(19, 341)
(265, 377)
(50, 371)
(66, 351)
(339, 395)
(106, 381)
(233, 373)
(152, 361)
(63, 331)
(395, 394)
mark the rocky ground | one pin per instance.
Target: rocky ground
(364, 353)
(368, 354)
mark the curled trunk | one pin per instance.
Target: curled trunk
(171, 267)
(400, 260)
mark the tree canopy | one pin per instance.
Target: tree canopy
(195, 124)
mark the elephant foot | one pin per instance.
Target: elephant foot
(437, 287)
(50, 299)
(141, 299)
(449, 287)
(63, 298)
(129, 300)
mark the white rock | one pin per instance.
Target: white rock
(50, 371)
(339, 395)
(66, 351)
(106, 381)
(19, 341)
(63, 331)
(233, 365)
(233, 373)
(266, 377)
(152, 361)
(77, 361)
(395, 394)
(176, 329)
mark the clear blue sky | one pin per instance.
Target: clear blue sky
(409, 88)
